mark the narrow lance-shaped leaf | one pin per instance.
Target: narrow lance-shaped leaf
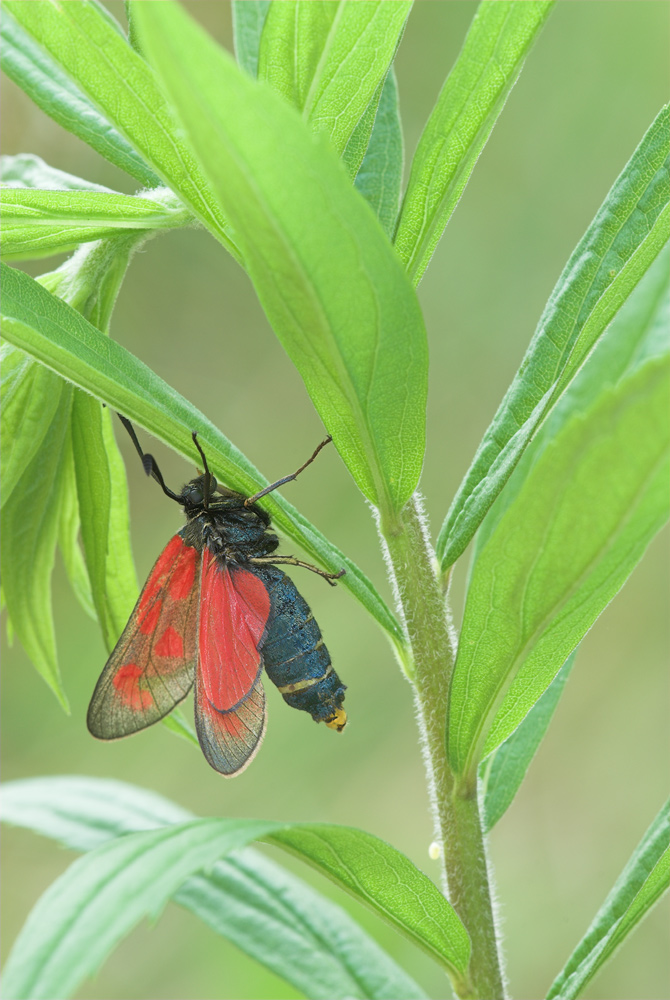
(641, 884)
(38, 223)
(26, 170)
(473, 96)
(104, 894)
(30, 402)
(270, 914)
(61, 338)
(121, 580)
(379, 178)
(503, 772)
(94, 491)
(586, 511)
(292, 42)
(56, 93)
(30, 534)
(305, 237)
(92, 53)
(68, 531)
(638, 332)
(330, 61)
(89, 281)
(619, 246)
(248, 20)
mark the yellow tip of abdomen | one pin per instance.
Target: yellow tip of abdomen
(338, 720)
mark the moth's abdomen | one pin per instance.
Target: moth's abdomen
(294, 654)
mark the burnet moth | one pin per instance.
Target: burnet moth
(216, 610)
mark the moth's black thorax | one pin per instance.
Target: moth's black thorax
(230, 530)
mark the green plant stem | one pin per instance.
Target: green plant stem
(458, 827)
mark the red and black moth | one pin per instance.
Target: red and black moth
(215, 611)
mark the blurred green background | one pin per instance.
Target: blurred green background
(591, 87)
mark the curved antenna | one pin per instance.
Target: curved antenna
(148, 461)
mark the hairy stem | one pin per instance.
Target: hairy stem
(458, 829)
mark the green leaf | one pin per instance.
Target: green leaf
(330, 61)
(104, 894)
(642, 882)
(584, 514)
(379, 178)
(61, 338)
(293, 40)
(87, 48)
(57, 94)
(68, 531)
(306, 236)
(121, 581)
(178, 725)
(386, 881)
(619, 246)
(113, 598)
(30, 533)
(31, 398)
(270, 914)
(637, 333)
(37, 223)
(25, 170)
(500, 37)
(506, 768)
(248, 20)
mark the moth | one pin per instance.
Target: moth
(215, 612)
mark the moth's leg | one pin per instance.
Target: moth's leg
(292, 561)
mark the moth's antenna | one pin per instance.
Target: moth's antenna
(287, 479)
(209, 478)
(148, 461)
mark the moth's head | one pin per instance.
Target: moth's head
(220, 499)
(193, 494)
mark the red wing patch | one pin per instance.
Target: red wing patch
(151, 668)
(229, 697)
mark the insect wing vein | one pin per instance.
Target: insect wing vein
(230, 701)
(152, 666)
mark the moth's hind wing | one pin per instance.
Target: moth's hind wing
(229, 696)
(230, 740)
(152, 666)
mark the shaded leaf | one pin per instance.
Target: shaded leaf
(248, 20)
(506, 768)
(379, 178)
(330, 61)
